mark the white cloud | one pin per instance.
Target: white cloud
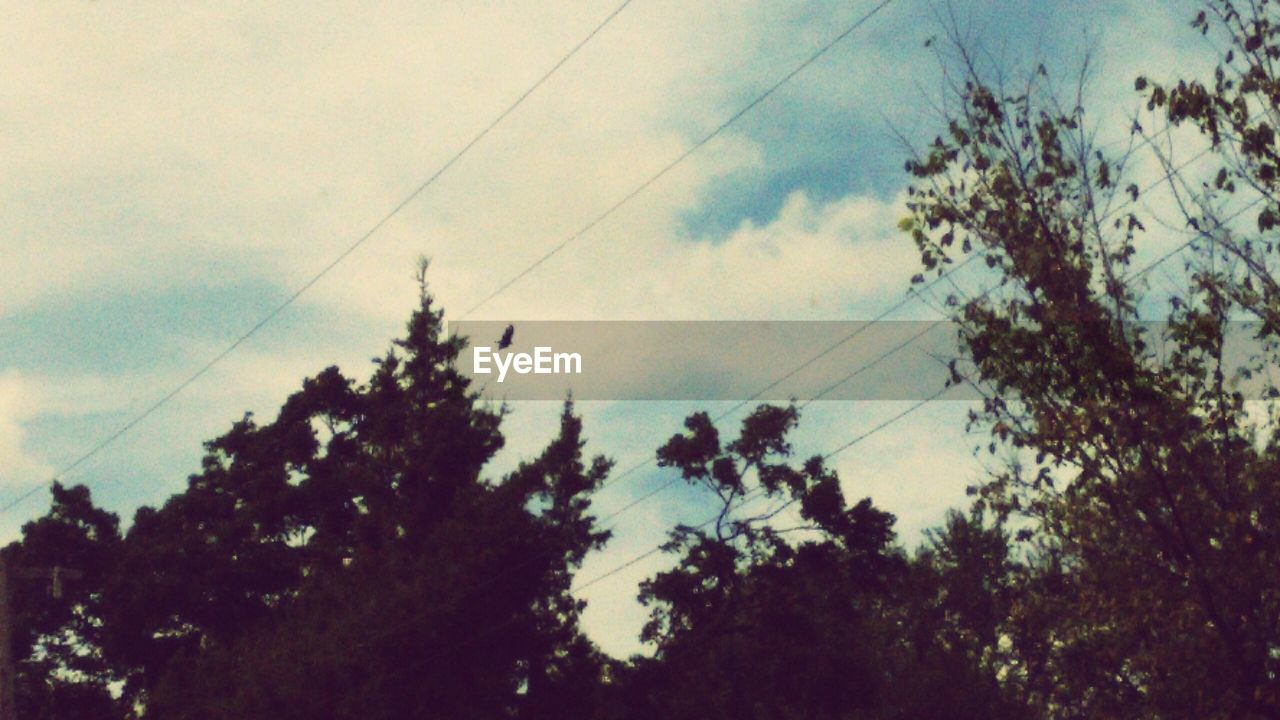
(812, 261)
(17, 405)
(151, 141)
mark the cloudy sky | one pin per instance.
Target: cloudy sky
(172, 173)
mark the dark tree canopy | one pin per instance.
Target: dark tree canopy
(347, 559)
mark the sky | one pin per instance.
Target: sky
(172, 173)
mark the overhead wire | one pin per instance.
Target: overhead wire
(944, 274)
(315, 278)
(732, 119)
(903, 414)
(685, 155)
(813, 57)
(631, 562)
(862, 437)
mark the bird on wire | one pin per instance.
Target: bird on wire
(505, 341)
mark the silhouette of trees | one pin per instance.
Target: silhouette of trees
(823, 618)
(347, 559)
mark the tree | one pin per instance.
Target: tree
(1150, 496)
(58, 637)
(803, 621)
(475, 621)
(347, 559)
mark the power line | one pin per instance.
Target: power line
(135, 421)
(631, 562)
(919, 404)
(857, 439)
(761, 98)
(857, 371)
(916, 294)
(811, 59)
(886, 423)
(756, 491)
(293, 297)
(747, 499)
(1199, 234)
(794, 371)
(876, 361)
(752, 495)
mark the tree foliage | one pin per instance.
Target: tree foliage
(346, 559)
(805, 621)
(1151, 495)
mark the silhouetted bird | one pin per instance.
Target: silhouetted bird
(505, 342)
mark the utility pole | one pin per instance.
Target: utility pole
(8, 708)
(55, 575)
